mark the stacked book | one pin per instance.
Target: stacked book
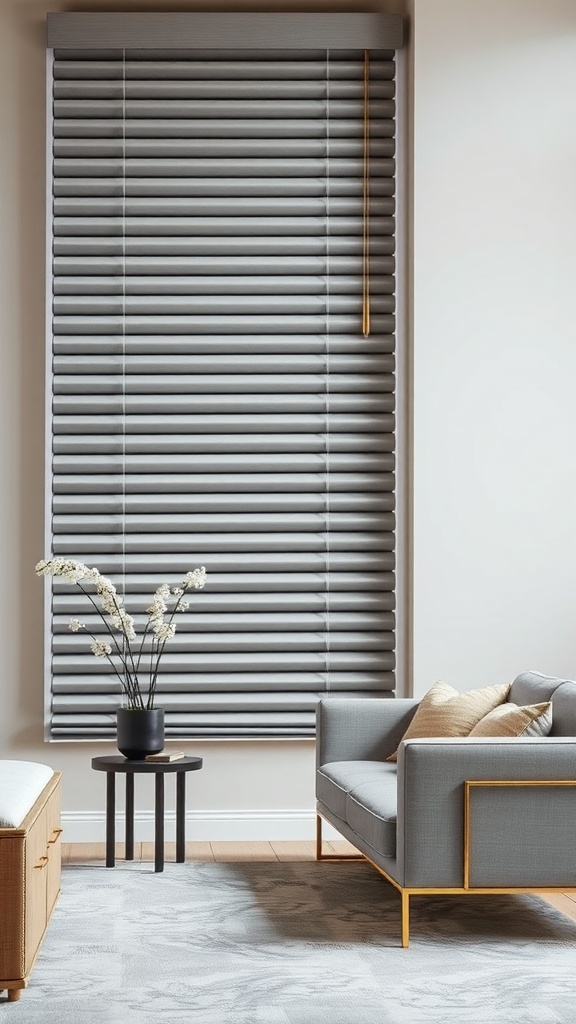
(166, 755)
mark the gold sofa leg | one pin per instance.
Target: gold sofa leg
(331, 856)
(404, 893)
(405, 918)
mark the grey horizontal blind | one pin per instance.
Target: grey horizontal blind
(214, 400)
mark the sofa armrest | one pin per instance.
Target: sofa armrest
(360, 728)
(519, 835)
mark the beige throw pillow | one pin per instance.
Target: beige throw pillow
(445, 712)
(511, 720)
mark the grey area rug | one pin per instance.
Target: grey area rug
(291, 943)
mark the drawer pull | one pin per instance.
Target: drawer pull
(55, 832)
(42, 862)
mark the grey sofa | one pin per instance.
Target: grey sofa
(459, 816)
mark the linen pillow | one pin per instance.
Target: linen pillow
(512, 720)
(443, 711)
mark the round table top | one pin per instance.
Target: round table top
(119, 763)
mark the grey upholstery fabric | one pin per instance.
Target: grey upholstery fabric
(533, 688)
(431, 774)
(363, 793)
(332, 786)
(360, 728)
(371, 812)
(564, 710)
(389, 864)
(522, 836)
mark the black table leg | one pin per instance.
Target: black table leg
(129, 836)
(159, 824)
(110, 819)
(180, 817)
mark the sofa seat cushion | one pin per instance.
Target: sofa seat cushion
(364, 794)
(21, 783)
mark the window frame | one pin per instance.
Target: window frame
(55, 23)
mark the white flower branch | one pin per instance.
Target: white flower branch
(157, 631)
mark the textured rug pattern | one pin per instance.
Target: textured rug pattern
(292, 943)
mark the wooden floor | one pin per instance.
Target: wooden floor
(82, 853)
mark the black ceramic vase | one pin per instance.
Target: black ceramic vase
(139, 732)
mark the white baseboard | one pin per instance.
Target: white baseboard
(239, 826)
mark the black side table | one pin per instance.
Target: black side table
(118, 763)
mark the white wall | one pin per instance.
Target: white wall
(494, 340)
(493, 361)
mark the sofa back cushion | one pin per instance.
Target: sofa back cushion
(533, 688)
(564, 710)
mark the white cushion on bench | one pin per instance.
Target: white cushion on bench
(21, 783)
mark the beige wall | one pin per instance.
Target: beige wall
(493, 367)
(494, 340)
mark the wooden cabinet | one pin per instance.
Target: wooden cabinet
(30, 858)
(54, 851)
